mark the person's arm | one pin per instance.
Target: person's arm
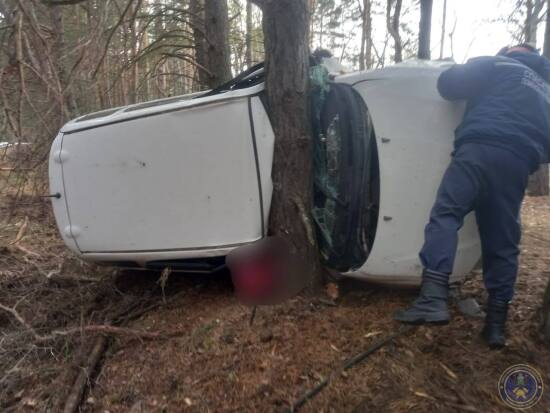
(465, 81)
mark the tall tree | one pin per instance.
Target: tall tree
(249, 28)
(392, 23)
(365, 54)
(286, 32)
(539, 184)
(443, 29)
(546, 48)
(216, 29)
(425, 30)
(196, 8)
(543, 188)
(68, 101)
(533, 9)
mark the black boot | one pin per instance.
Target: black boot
(431, 304)
(494, 330)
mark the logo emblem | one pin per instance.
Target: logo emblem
(520, 386)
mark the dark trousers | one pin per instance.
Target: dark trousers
(490, 181)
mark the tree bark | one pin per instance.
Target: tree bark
(546, 48)
(443, 28)
(249, 28)
(196, 8)
(539, 184)
(68, 104)
(216, 22)
(533, 9)
(392, 23)
(286, 32)
(530, 29)
(424, 33)
(365, 55)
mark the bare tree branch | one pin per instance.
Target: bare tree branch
(111, 34)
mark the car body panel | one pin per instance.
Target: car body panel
(190, 177)
(160, 184)
(415, 133)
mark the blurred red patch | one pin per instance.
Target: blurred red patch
(264, 272)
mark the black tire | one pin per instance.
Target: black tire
(346, 238)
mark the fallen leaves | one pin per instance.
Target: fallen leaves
(333, 291)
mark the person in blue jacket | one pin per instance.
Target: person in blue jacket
(503, 138)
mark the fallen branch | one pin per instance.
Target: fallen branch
(14, 368)
(100, 345)
(69, 280)
(104, 330)
(18, 317)
(77, 391)
(74, 399)
(345, 366)
(26, 251)
(98, 329)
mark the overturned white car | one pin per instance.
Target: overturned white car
(183, 181)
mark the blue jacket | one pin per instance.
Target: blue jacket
(508, 103)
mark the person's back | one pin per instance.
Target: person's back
(508, 103)
(504, 136)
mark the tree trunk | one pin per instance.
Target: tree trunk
(216, 22)
(539, 184)
(196, 8)
(134, 48)
(249, 28)
(544, 169)
(210, 23)
(392, 23)
(424, 34)
(365, 55)
(546, 48)
(68, 106)
(286, 31)
(530, 29)
(368, 29)
(443, 28)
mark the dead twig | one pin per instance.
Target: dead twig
(14, 368)
(26, 250)
(106, 329)
(163, 280)
(21, 231)
(18, 317)
(77, 391)
(74, 399)
(345, 366)
(70, 280)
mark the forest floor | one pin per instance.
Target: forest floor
(201, 354)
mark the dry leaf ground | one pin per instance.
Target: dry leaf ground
(221, 363)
